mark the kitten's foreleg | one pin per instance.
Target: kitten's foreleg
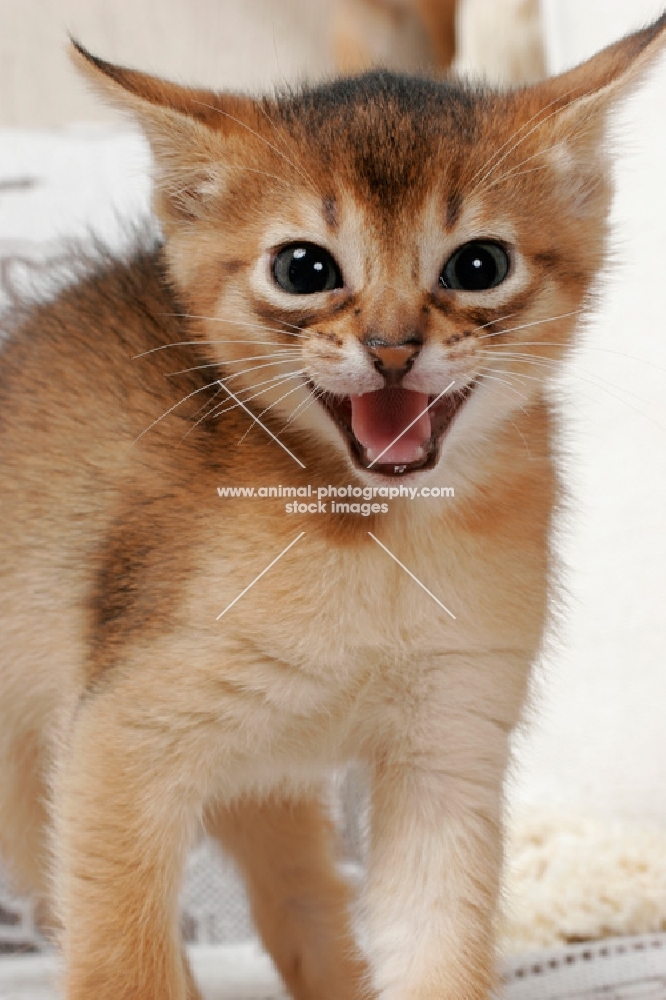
(123, 823)
(299, 901)
(436, 847)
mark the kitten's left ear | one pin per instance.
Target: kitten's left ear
(193, 133)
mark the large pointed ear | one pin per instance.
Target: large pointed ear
(574, 107)
(614, 71)
(194, 135)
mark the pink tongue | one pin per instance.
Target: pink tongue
(379, 417)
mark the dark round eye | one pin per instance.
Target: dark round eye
(305, 268)
(476, 267)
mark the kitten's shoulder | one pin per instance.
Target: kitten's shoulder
(68, 298)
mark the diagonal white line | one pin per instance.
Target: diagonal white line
(409, 426)
(259, 577)
(258, 421)
(414, 578)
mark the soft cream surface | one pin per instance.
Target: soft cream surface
(571, 878)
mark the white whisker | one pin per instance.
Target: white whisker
(243, 322)
(514, 135)
(536, 322)
(503, 381)
(267, 408)
(195, 343)
(581, 347)
(263, 139)
(590, 378)
(304, 405)
(286, 355)
(520, 141)
(270, 383)
(175, 406)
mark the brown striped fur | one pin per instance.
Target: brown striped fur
(129, 716)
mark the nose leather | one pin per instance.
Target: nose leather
(393, 361)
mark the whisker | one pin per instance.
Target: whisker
(175, 406)
(193, 343)
(536, 322)
(279, 133)
(580, 347)
(514, 173)
(499, 319)
(270, 383)
(503, 381)
(215, 406)
(255, 368)
(515, 134)
(522, 436)
(289, 355)
(263, 139)
(592, 379)
(519, 142)
(517, 375)
(267, 408)
(266, 173)
(313, 395)
(516, 169)
(283, 397)
(243, 322)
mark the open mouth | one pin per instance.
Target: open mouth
(394, 431)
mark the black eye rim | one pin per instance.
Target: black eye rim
(293, 245)
(494, 244)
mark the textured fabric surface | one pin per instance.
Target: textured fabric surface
(627, 969)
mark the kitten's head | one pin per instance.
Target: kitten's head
(388, 264)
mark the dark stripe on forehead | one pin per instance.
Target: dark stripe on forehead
(330, 212)
(384, 130)
(453, 208)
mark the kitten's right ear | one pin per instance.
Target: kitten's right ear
(188, 130)
(613, 71)
(582, 96)
(572, 110)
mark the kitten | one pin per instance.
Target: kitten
(384, 272)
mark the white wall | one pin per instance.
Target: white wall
(235, 44)
(600, 744)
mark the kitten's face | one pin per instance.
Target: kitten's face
(412, 251)
(389, 265)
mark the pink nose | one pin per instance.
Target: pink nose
(393, 361)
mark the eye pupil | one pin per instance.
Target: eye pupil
(476, 267)
(305, 269)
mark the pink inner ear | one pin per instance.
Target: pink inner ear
(379, 417)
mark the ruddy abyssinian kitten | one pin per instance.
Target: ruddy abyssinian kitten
(385, 272)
